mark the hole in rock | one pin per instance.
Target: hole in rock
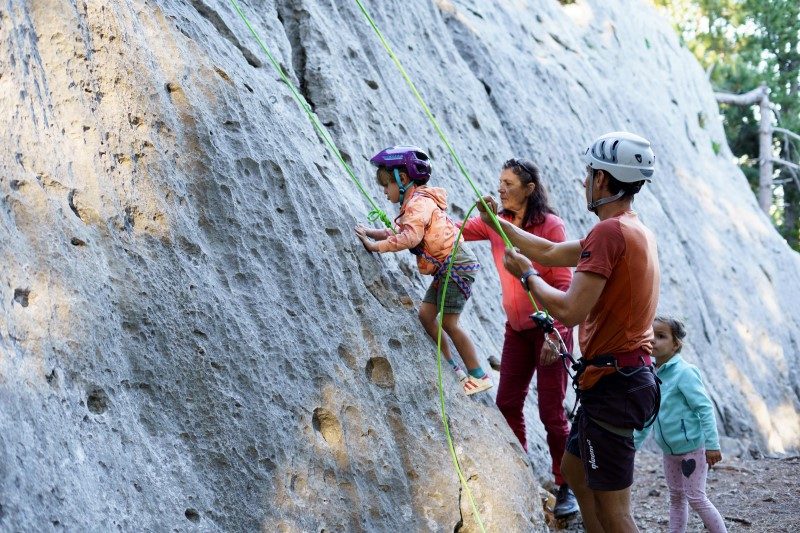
(21, 296)
(327, 424)
(97, 401)
(379, 371)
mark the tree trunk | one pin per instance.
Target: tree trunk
(765, 154)
(758, 95)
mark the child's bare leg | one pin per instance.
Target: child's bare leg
(427, 316)
(461, 340)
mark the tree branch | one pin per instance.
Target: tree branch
(748, 98)
(787, 132)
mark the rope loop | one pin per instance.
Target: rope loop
(377, 214)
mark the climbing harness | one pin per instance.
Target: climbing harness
(617, 362)
(455, 271)
(375, 213)
(462, 285)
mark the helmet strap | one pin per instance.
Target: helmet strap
(400, 186)
(594, 204)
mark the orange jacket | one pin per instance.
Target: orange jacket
(423, 222)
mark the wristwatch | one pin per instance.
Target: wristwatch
(525, 275)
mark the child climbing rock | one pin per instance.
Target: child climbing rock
(685, 430)
(424, 228)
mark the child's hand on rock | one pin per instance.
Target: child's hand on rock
(369, 245)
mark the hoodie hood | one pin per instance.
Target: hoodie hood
(437, 194)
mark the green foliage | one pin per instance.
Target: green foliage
(744, 43)
(716, 147)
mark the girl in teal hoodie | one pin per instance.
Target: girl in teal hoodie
(685, 429)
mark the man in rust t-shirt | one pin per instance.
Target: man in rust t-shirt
(623, 251)
(613, 297)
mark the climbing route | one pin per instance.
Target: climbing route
(376, 213)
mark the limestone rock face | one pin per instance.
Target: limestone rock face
(191, 337)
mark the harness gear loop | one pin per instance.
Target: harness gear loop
(611, 361)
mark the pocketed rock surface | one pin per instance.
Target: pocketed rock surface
(191, 337)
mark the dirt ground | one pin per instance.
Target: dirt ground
(755, 495)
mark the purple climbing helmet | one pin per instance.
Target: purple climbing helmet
(410, 159)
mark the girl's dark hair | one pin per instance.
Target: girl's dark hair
(675, 326)
(538, 205)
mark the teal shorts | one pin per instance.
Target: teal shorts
(454, 300)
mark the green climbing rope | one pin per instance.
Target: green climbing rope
(495, 221)
(376, 213)
(445, 421)
(438, 129)
(430, 116)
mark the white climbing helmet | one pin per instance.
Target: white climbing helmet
(627, 157)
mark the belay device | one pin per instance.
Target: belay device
(547, 323)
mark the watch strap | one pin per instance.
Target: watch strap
(525, 275)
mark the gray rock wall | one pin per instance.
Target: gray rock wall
(191, 337)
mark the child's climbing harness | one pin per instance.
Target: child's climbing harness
(442, 268)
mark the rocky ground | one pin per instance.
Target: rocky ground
(756, 495)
